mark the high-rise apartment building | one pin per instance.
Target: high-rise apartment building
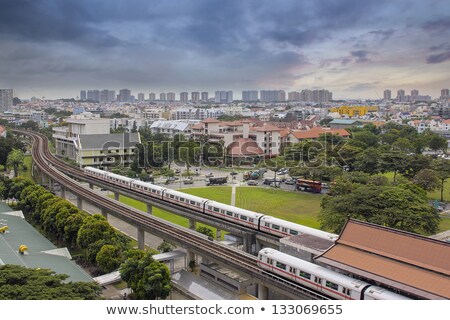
(104, 96)
(90, 95)
(294, 96)
(152, 96)
(141, 97)
(162, 96)
(96, 95)
(272, 95)
(184, 97)
(445, 93)
(111, 95)
(224, 97)
(319, 96)
(124, 95)
(387, 95)
(83, 95)
(195, 96)
(6, 99)
(414, 93)
(400, 95)
(170, 96)
(250, 95)
(205, 96)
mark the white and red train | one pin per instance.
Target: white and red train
(254, 220)
(326, 281)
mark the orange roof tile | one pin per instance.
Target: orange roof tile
(315, 132)
(267, 127)
(244, 147)
(210, 120)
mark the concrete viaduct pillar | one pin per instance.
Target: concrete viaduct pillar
(263, 292)
(219, 234)
(141, 239)
(149, 208)
(63, 192)
(79, 203)
(192, 224)
(91, 186)
(116, 196)
(104, 214)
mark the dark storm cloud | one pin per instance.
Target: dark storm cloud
(438, 58)
(437, 25)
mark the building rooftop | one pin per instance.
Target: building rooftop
(315, 132)
(41, 252)
(244, 147)
(398, 259)
(112, 140)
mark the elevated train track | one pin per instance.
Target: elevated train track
(231, 257)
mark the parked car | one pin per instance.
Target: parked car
(188, 181)
(282, 171)
(275, 184)
(252, 183)
(178, 171)
(209, 175)
(289, 181)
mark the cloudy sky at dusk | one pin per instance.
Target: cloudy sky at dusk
(354, 48)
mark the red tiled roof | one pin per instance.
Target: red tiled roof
(398, 259)
(315, 132)
(244, 147)
(210, 120)
(197, 126)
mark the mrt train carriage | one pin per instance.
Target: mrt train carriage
(147, 188)
(241, 216)
(184, 199)
(285, 228)
(330, 283)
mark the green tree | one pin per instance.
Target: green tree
(437, 142)
(148, 278)
(165, 246)
(400, 207)
(20, 283)
(15, 160)
(442, 169)
(206, 231)
(109, 258)
(427, 179)
(368, 138)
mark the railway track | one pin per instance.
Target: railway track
(234, 258)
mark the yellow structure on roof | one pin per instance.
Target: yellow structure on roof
(353, 111)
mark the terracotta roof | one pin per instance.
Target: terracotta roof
(210, 120)
(197, 126)
(2, 129)
(244, 147)
(402, 260)
(285, 133)
(315, 132)
(446, 121)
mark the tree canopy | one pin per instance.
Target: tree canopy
(20, 283)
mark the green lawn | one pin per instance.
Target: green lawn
(293, 206)
(26, 173)
(445, 224)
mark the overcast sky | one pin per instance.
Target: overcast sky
(354, 48)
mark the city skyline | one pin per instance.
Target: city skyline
(354, 49)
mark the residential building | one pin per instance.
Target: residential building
(104, 96)
(96, 95)
(224, 97)
(152, 113)
(387, 95)
(162, 96)
(249, 95)
(184, 97)
(345, 124)
(294, 96)
(124, 95)
(152, 96)
(111, 95)
(445, 93)
(272, 95)
(6, 99)
(141, 97)
(319, 96)
(83, 95)
(195, 96)
(3, 132)
(401, 95)
(205, 96)
(295, 136)
(171, 127)
(171, 96)
(414, 93)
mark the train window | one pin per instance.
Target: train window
(236, 215)
(181, 199)
(229, 213)
(154, 191)
(222, 211)
(292, 270)
(269, 261)
(172, 196)
(266, 224)
(216, 209)
(251, 220)
(346, 291)
(331, 285)
(305, 275)
(274, 226)
(243, 218)
(293, 232)
(284, 229)
(281, 265)
(209, 207)
(192, 202)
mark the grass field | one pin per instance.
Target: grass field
(27, 173)
(293, 206)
